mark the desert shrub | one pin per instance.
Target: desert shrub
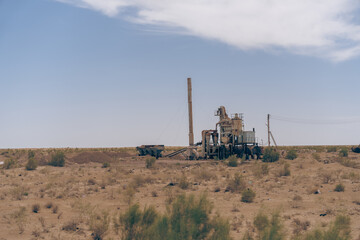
(135, 223)
(35, 208)
(339, 188)
(150, 162)
(137, 181)
(105, 165)
(18, 192)
(270, 229)
(55, 209)
(20, 219)
(186, 218)
(327, 177)
(331, 149)
(270, 155)
(232, 161)
(9, 163)
(260, 170)
(291, 154)
(285, 171)
(261, 222)
(338, 230)
(99, 225)
(49, 205)
(343, 152)
(300, 226)
(203, 174)
(316, 156)
(71, 226)
(184, 183)
(248, 196)
(31, 164)
(91, 181)
(348, 162)
(31, 154)
(57, 159)
(236, 184)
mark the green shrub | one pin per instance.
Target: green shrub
(338, 230)
(261, 222)
(186, 218)
(149, 163)
(232, 161)
(236, 184)
(270, 155)
(31, 164)
(343, 152)
(31, 154)
(105, 165)
(58, 159)
(248, 196)
(291, 154)
(339, 188)
(9, 163)
(331, 149)
(99, 225)
(269, 229)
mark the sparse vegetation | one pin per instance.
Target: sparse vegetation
(184, 183)
(35, 208)
(291, 155)
(269, 229)
(338, 230)
(343, 152)
(105, 165)
(9, 163)
(31, 164)
(58, 159)
(150, 162)
(339, 188)
(270, 155)
(99, 225)
(248, 196)
(261, 170)
(331, 149)
(236, 184)
(285, 171)
(232, 161)
(20, 218)
(187, 218)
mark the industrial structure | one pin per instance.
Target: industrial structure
(228, 138)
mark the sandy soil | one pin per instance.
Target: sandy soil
(83, 188)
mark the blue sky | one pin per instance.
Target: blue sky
(113, 73)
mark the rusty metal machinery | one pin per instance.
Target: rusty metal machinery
(152, 150)
(229, 138)
(356, 149)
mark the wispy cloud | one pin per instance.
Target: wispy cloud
(322, 28)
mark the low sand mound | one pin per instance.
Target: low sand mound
(86, 157)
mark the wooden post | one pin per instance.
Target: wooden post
(268, 126)
(191, 133)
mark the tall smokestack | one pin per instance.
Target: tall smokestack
(191, 133)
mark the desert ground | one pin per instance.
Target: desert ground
(59, 202)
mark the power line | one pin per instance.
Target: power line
(315, 121)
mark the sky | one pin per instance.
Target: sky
(112, 73)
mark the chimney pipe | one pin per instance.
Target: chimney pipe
(191, 133)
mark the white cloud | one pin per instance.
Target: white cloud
(323, 28)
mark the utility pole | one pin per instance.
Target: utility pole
(268, 126)
(191, 132)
